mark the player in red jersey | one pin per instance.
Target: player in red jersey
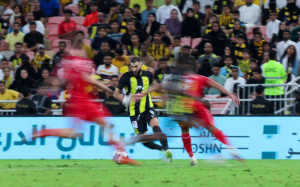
(190, 102)
(80, 106)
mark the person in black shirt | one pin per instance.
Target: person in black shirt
(123, 6)
(39, 14)
(136, 10)
(258, 79)
(26, 106)
(105, 49)
(103, 6)
(126, 38)
(33, 39)
(93, 30)
(3, 28)
(162, 71)
(42, 102)
(15, 61)
(295, 108)
(113, 105)
(62, 46)
(197, 14)
(260, 105)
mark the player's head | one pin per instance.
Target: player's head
(136, 66)
(2, 86)
(107, 60)
(114, 80)
(26, 91)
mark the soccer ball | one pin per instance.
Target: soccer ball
(118, 155)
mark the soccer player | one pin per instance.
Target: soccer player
(190, 102)
(141, 112)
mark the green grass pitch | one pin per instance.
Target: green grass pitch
(94, 173)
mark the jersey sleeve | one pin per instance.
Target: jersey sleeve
(123, 81)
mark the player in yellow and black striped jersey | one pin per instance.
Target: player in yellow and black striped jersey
(84, 9)
(140, 111)
(158, 49)
(226, 16)
(239, 47)
(3, 28)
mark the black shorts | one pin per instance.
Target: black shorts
(139, 122)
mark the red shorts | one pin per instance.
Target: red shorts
(85, 109)
(203, 114)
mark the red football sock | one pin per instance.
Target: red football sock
(51, 132)
(187, 142)
(125, 160)
(221, 136)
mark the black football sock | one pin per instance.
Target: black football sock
(152, 145)
(163, 141)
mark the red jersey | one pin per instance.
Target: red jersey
(64, 27)
(90, 19)
(194, 84)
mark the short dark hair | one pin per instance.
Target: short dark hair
(80, 32)
(17, 5)
(196, 3)
(286, 30)
(101, 27)
(1, 82)
(119, 51)
(68, 11)
(236, 12)
(135, 59)
(114, 76)
(240, 36)
(113, 4)
(157, 32)
(257, 70)
(257, 33)
(18, 43)
(136, 6)
(272, 11)
(247, 51)
(163, 59)
(216, 65)
(272, 55)
(129, 20)
(26, 91)
(259, 89)
(62, 42)
(234, 67)
(135, 34)
(207, 6)
(177, 37)
(128, 9)
(114, 21)
(32, 23)
(225, 6)
(228, 56)
(17, 23)
(186, 47)
(105, 55)
(253, 60)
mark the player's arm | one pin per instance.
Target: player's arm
(118, 95)
(90, 80)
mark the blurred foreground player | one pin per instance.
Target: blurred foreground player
(141, 112)
(189, 107)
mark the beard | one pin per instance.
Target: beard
(137, 73)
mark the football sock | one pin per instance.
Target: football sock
(220, 136)
(163, 141)
(186, 139)
(125, 160)
(53, 132)
(152, 145)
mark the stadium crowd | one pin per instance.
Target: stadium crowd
(231, 41)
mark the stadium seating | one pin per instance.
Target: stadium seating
(55, 20)
(30, 54)
(2, 45)
(78, 20)
(52, 26)
(263, 30)
(55, 44)
(47, 44)
(186, 41)
(196, 42)
(46, 33)
(85, 30)
(74, 8)
(88, 41)
(268, 39)
(53, 34)
(7, 54)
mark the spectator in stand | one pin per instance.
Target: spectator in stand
(219, 6)
(42, 81)
(250, 14)
(98, 58)
(33, 39)
(123, 6)
(41, 61)
(231, 81)
(66, 94)
(186, 58)
(96, 44)
(80, 48)
(39, 25)
(18, 20)
(107, 70)
(39, 14)
(190, 26)
(92, 17)
(114, 105)
(3, 27)
(197, 14)
(158, 49)
(166, 36)
(244, 64)
(290, 13)
(173, 24)
(67, 28)
(256, 45)
(176, 50)
(114, 81)
(16, 60)
(253, 66)
(136, 10)
(120, 59)
(212, 19)
(212, 58)
(152, 26)
(126, 38)
(26, 66)
(227, 69)
(162, 71)
(25, 80)
(14, 37)
(206, 69)
(115, 33)
(273, 24)
(135, 46)
(54, 92)
(257, 78)
(290, 62)
(8, 78)
(8, 11)
(93, 30)
(208, 15)
(237, 31)
(42, 101)
(220, 48)
(267, 9)
(217, 77)
(214, 35)
(199, 49)
(295, 33)
(147, 11)
(62, 46)
(17, 13)
(104, 6)
(145, 57)
(295, 108)
(226, 16)
(164, 12)
(113, 14)
(279, 37)
(26, 6)
(260, 105)
(50, 7)
(128, 15)
(230, 26)
(7, 94)
(281, 46)
(25, 106)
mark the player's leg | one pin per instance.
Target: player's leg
(62, 133)
(187, 142)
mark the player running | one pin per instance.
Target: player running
(189, 102)
(141, 112)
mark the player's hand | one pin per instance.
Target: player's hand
(235, 99)
(126, 100)
(138, 97)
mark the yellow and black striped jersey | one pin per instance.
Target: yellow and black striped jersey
(158, 51)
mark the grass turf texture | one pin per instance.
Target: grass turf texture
(90, 173)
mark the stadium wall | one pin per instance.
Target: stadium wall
(261, 137)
